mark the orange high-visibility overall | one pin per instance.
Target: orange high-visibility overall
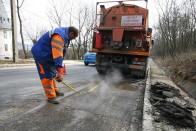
(48, 54)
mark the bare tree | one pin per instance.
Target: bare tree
(35, 32)
(176, 27)
(21, 27)
(82, 18)
(85, 22)
(61, 12)
(56, 12)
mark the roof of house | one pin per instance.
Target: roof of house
(5, 21)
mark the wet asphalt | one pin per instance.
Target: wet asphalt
(109, 107)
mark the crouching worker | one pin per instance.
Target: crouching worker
(48, 53)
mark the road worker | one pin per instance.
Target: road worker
(48, 53)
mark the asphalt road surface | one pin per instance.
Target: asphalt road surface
(109, 107)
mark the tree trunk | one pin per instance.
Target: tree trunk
(21, 31)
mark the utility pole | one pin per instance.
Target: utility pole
(14, 31)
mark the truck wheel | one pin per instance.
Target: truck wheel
(86, 64)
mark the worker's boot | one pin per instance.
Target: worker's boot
(58, 93)
(53, 100)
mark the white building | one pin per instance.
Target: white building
(5, 34)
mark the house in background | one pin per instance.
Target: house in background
(6, 51)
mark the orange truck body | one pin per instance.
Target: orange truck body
(122, 38)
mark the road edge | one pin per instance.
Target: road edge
(147, 108)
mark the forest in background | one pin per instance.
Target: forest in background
(175, 37)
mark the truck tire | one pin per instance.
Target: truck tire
(86, 64)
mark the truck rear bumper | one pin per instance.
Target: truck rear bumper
(123, 66)
(137, 67)
(137, 70)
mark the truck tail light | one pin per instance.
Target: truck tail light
(98, 41)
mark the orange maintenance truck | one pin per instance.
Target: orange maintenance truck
(122, 38)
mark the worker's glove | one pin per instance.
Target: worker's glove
(60, 72)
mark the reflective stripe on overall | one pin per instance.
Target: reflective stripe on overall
(47, 75)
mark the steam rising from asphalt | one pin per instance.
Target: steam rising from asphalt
(114, 77)
(111, 79)
(107, 83)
